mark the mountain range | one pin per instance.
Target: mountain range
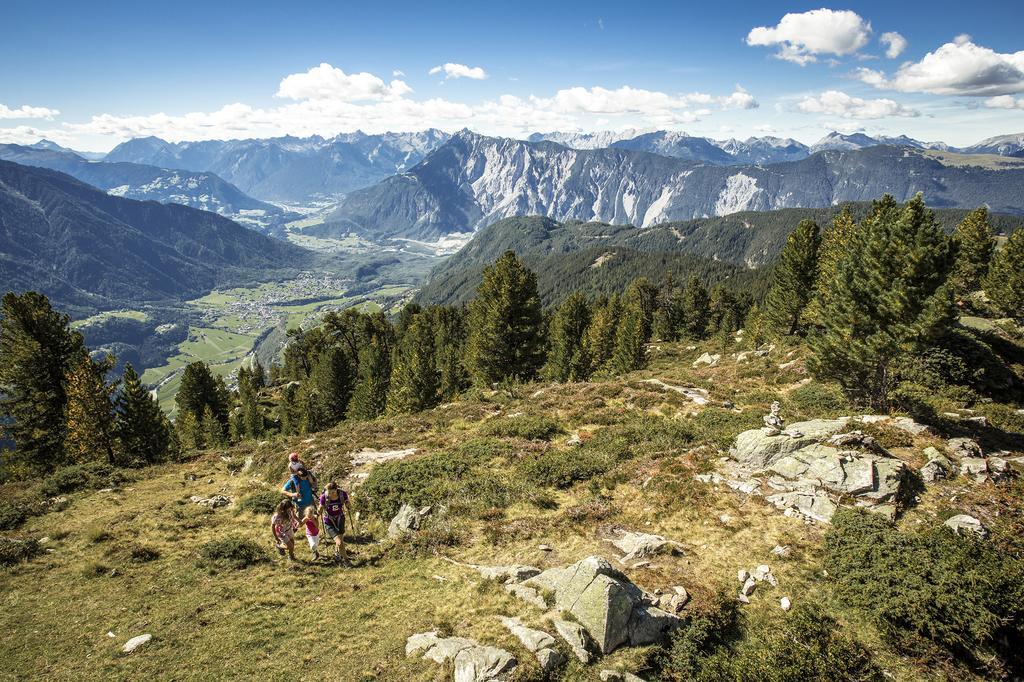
(88, 250)
(473, 180)
(290, 169)
(198, 189)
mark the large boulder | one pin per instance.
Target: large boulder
(963, 523)
(642, 545)
(576, 637)
(606, 603)
(407, 520)
(964, 447)
(756, 449)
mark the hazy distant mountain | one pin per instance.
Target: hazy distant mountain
(54, 147)
(290, 169)
(1003, 145)
(89, 249)
(473, 180)
(202, 190)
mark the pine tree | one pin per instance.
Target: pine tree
(890, 299)
(505, 324)
(696, 310)
(371, 393)
(644, 295)
(328, 390)
(189, 432)
(414, 378)
(90, 413)
(289, 410)
(599, 340)
(214, 432)
(630, 350)
(668, 316)
(793, 279)
(37, 350)
(975, 244)
(141, 427)
(567, 357)
(834, 243)
(1004, 284)
(449, 326)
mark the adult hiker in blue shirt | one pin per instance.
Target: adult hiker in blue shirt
(300, 489)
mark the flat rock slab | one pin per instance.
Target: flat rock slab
(962, 524)
(135, 642)
(367, 456)
(533, 640)
(530, 595)
(641, 545)
(576, 637)
(515, 573)
(484, 664)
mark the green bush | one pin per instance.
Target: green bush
(562, 468)
(15, 550)
(87, 476)
(805, 644)
(263, 502)
(960, 593)
(719, 427)
(529, 427)
(419, 481)
(13, 513)
(233, 551)
(142, 554)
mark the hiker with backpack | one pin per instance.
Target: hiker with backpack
(333, 505)
(295, 465)
(300, 489)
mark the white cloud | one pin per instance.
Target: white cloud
(836, 103)
(956, 68)
(1004, 102)
(31, 134)
(327, 101)
(894, 42)
(26, 111)
(398, 73)
(801, 37)
(451, 70)
(329, 82)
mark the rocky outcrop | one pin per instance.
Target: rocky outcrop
(407, 520)
(473, 662)
(642, 545)
(606, 603)
(213, 502)
(757, 449)
(538, 642)
(576, 637)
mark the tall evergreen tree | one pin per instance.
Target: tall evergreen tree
(644, 296)
(90, 413)
(37, 350)
(371, 392)
(599, 340)
(214, 432)
(567, 357)
(449, 326)
(289, 410)
(198, 392)
(414, 378)
(1004, 283)
(890, 299)
(834, 243)
(189, 432)
(630, 349)
(975, 244)
(668, 317)
(505, 324)
(793, 279)
(696, 309)
(328, 389)
(141, 427)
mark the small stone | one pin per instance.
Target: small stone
(544, 548)
(748, 587)
(963, 523)
(725, 519)
(550, 660)
(111, 634)
(761, 571)
(742, 575)
(743, 598)
(135, 642)
(782, 551)
(785, 604)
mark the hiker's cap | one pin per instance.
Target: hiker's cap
(294, 457)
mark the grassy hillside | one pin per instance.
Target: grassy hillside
(131, 560)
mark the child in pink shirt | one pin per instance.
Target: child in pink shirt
(312, 530)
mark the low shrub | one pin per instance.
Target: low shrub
(16, 550)
(97, 534)
(562, 468)
(719, 427)
(528, 427)
(419, 481)
(13, 513)
(233, 551)
(263, 502)
(87, 476)
(817, 399)
(142, 554)
(888, 436)
(704, 628)
(94, 569)
(435, 535)
(933, 587)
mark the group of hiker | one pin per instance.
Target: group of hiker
(301, 508)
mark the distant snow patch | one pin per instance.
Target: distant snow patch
(738, 195)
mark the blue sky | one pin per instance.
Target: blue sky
(91, 77)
